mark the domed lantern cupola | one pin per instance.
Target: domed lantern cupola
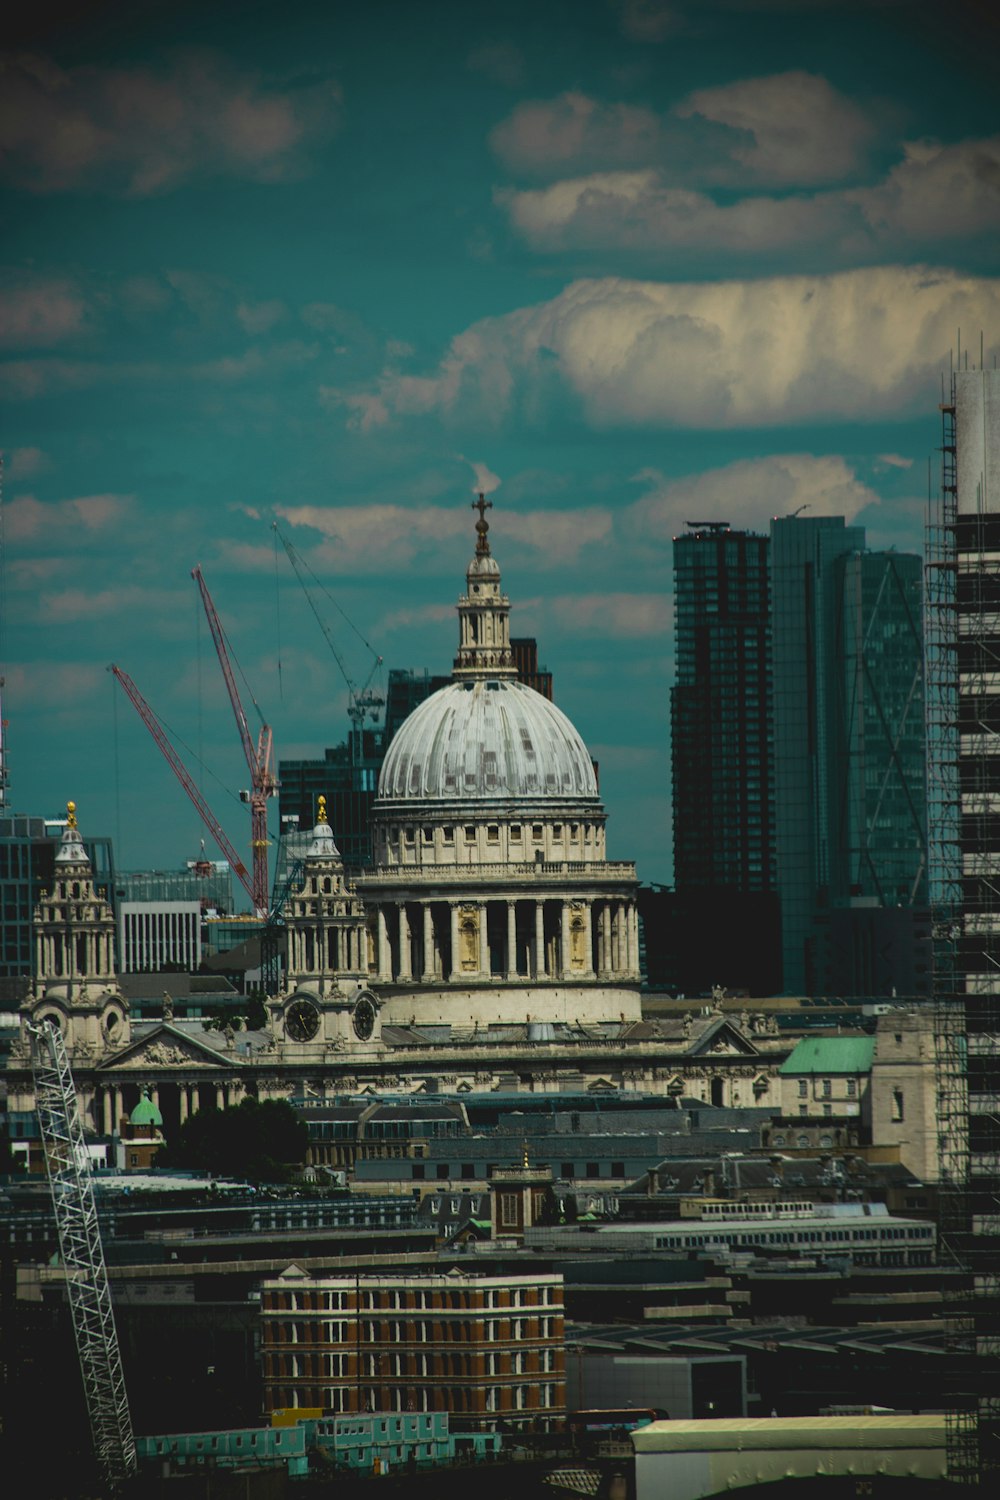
(483, 612)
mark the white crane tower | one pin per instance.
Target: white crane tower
(68, 1165)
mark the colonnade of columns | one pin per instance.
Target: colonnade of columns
(330, 949)
(189, 1098)
(512, 938)
(84, 953)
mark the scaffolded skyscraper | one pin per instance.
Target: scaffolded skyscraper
(963, 578)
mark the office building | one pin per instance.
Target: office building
(963, 579)
(720, 712)
(850, 781)
(485, 1348)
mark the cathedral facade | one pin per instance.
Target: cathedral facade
(492, 944)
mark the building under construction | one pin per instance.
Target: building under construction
(963, 691)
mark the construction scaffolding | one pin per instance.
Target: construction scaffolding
(963, 738)
(68, 1166)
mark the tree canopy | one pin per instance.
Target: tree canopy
(261, 1141)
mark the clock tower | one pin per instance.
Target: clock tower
(327, 1002)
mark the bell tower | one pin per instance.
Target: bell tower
(76, 985)
(483, 612)
(328, 957)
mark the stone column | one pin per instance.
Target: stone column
(183, 1101)
(429, 964)
(118, 1108)
(154, 1096)
(633, 928)
(456, 967)
(484, 946)
(564, 940)
(384, 950)
(511, 940)
(405, 971)
(540, 970)
(588, 935)
(107, 1123)
(220, 1096)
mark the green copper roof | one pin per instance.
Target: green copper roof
(831, 1054)
(146, 1113)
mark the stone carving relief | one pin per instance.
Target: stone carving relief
(468, 940)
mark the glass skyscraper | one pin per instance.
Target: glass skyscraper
(850, 779)
(720, 713)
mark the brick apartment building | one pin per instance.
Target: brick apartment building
(484, 1348)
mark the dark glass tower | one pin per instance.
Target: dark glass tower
(720, 713)
(850, 779)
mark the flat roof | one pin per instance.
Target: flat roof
(726, 1434)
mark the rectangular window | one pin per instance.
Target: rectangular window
(803, 1089)
(897, 1104)
(515, 833)
(470, 835)
(827, 1088)
(492, 833)
(448, 834)
(508, 1210)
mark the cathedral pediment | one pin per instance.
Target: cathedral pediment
(720, 1039)
(169, 1047)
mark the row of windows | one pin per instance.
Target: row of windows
(514, 833)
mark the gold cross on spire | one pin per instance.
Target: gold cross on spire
(482, 525)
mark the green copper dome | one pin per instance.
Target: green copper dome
(146, 1113)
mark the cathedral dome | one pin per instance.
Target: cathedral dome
(487, 738)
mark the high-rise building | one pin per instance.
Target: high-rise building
(720, 713)
(964, 693)
(850, 780)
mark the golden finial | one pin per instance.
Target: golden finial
(321, 805)
(482, 525)
(70, 814)
(524, 1159)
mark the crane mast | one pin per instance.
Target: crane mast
(263, 782)
(364, 702)
(68, 1167)
(170, 755)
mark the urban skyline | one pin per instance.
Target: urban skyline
(576, 259)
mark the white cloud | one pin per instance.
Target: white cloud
(144, 131)
(935, 195)
(747, 494)
(895, 460)
(41, 314)
(542, 135)
(649, 20)
(499, 61)
(24, 463)
(794, 127)
(781, 130)
(859, 344)
(260, 317)
(71, 606)
(43, 684)
(621, 616)
(486, 481)
(90, 515)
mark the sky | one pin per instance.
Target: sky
(618, 263)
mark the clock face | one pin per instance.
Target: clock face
(302, 1020)
(364, 1019)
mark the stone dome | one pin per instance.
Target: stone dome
(487, 739)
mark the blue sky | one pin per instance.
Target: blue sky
(622, 263)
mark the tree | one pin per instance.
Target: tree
(262, 1142)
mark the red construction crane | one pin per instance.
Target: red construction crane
(263, 782)
(152, 723)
